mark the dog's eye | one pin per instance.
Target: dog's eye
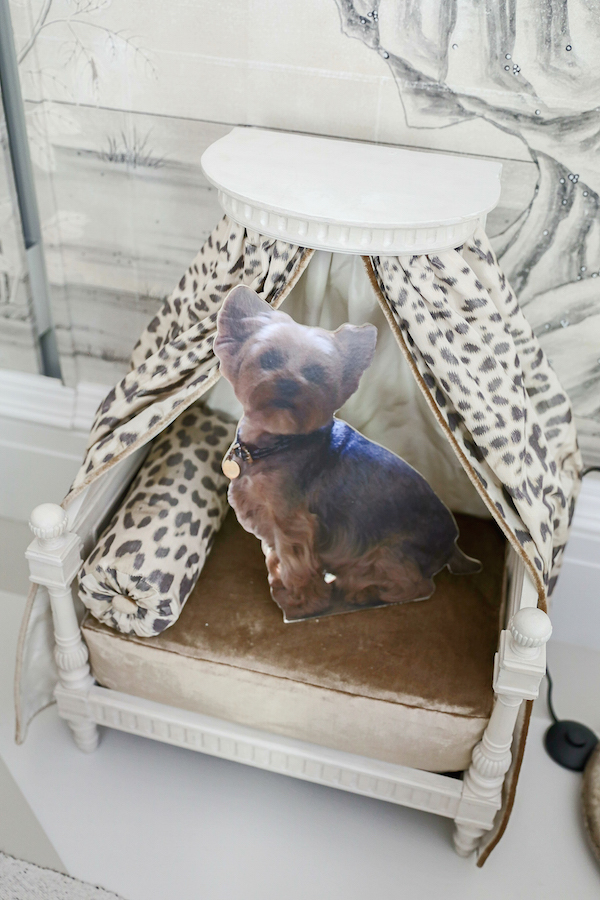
(272, 359)
(314, 373)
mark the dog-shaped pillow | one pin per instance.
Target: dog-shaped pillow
(345, 524)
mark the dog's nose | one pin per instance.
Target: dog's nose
(287, 388)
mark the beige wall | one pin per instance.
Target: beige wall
(123, 97)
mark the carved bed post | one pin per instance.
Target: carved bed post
(54, 559)
(519, 667)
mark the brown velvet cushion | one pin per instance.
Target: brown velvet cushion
(434, 654)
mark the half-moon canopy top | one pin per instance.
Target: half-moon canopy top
(349, 196)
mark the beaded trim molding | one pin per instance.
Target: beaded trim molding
(337, 237)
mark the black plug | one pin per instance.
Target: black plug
(570, 744)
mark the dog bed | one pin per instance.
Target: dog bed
(144, 566)
(410, 684)
(470, 358)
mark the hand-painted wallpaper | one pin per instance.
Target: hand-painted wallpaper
(17, 342)
(123, 97)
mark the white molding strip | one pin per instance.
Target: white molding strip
(427, 791)
(586, 521)
(575, 604)
(339, 238)
(46, 401)
(589, 441)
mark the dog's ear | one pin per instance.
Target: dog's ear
(243, 313)
(357, 347)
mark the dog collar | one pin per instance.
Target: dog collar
(249, 453)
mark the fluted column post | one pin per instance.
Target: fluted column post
(54, 559)
(520, 665)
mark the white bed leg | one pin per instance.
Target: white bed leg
(54, 560)
(520, 665)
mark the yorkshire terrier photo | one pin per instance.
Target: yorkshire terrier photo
(344, 523)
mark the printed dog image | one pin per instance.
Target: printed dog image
(345, 524)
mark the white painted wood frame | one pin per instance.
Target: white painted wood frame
(54, 559)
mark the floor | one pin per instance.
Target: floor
(161, 822)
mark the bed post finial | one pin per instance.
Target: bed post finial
(530, 629)
(54, 559)
(48, 522)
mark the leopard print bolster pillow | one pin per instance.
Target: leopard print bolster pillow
(148, 559)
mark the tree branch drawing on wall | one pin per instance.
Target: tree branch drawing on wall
(77, 23)
(73, 22)
(456, 60)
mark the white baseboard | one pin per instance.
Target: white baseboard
(47, 401)
(586, 522)
(43, 433)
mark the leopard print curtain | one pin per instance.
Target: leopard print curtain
(470, 347)
(492, 389)
(173, 363)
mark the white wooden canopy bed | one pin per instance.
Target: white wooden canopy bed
(363, 217)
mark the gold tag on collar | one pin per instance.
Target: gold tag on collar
(230, 468)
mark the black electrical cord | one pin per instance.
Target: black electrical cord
(553, 715)
(570, 744)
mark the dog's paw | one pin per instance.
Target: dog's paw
(275, 582)
(310, 599)
(273, 564)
